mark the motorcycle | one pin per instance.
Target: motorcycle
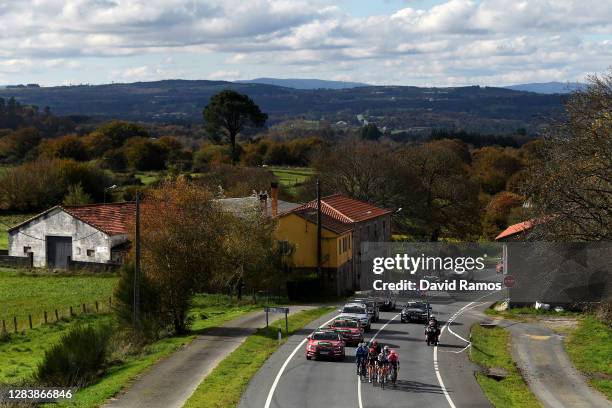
(432, 335)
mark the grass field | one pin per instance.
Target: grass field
(7, 221)
(228, 381)
(23, 293)
(491, 348)
(290, 177)
(590, 349)
(526, 313)
(207, 310)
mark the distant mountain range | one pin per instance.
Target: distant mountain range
(401, 109)
(301, 83)
(549, 87)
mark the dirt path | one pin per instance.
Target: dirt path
(171, 381)
(541, 358)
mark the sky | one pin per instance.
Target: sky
(383, 42)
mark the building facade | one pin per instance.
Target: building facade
(96, 234)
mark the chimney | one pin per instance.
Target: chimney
(274, 194)
(263, 203)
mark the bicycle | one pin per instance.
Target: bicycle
(371, 371)
(361, 369)
(383, 372)
(394, 370)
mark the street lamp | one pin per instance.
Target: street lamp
(114, 186)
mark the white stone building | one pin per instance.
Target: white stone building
(96, 233)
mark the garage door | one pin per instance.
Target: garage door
(58, 251)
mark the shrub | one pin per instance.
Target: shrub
(77, 359)
(151, 321)
(604, 313)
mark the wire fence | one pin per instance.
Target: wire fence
(19, 324)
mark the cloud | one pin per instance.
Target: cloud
(493, 41)
(227, 75)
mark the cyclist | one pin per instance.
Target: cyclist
(376, 346)
(372, 356)
(395, 365)
(361, 355)
(383, 363)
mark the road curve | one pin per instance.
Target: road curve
(310, 384)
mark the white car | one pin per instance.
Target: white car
(357, 311)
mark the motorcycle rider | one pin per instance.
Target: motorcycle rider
(361, 354)
(433, 325)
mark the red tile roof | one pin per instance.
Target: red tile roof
(327, 222)
(112, 218)
(516, 229)
(346, 209)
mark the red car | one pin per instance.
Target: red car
(350, 330)
(325, 344)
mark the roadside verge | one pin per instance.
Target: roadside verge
(224, 386)
(501, 381)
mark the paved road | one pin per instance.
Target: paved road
(170, 382)
(540, 355)
(306, 384)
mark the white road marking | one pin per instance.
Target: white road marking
(435, 352)
(358, 377)
(282, 370)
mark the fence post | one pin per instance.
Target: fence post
(71, 313)
(110, 303)
(30, 320)
(56, 316)
(3, 326)
(84, 308)
(15, 323)
(45, 317)
(96, 306)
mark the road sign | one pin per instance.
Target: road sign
(509, 281)
(277, 310)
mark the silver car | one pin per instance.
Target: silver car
(372, 307)
(357, 311)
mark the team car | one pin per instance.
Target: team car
(349, 330)
(357, 311)
(415, 311)
(325, 344)
(372, 307)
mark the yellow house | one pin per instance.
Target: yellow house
(345, 223)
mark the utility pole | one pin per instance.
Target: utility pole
(319, 272)
(136, 305)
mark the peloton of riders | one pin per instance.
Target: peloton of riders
(376, 359)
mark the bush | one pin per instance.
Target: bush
(604, 313)
(151, 322)
(77, 359)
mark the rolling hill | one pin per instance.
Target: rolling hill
(399, 108)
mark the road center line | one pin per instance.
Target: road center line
(282, 370)
(358, 377)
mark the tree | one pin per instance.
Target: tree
(19, 145)
(182, 234)
(498, 213)
(143, 154)
(65, 147)
(230, 112)
(370, 132)
(119, 131)
(571, 188)
(493, 166)
(76, 195)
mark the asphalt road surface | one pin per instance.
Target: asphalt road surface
(429, 376)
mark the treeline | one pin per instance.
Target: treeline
(14, 115)
(445, 189)
(479, 140)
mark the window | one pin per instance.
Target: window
(339, 247)
(90, 252)
(27, 249)
(78, 250)
(284, 248)
(349, 239)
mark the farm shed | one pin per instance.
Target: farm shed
(65, 235)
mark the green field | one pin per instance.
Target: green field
(7, 221)
(290, 177)
(590, 349)
(491, 348)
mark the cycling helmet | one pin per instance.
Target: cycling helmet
(393, 352)
(373, 350)
(386, 348)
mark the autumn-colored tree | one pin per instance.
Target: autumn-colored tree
(97, 144)
(571, 187)
(493, 166)
(19, 145)
(119, 131)
(498, 212)
(182, 245)
(64, 147)
(143, 154)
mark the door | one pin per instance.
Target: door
(58, 251)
